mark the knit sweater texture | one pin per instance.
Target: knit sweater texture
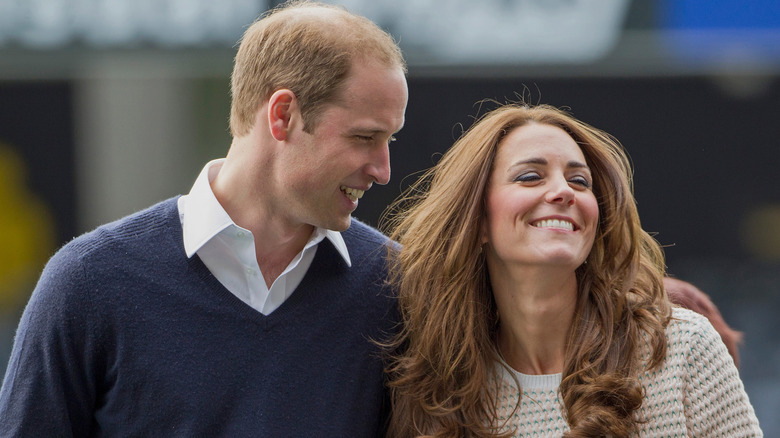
(696, 392)
(126, 336)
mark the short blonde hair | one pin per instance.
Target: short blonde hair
(306, 47)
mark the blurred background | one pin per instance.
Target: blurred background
(107, 106)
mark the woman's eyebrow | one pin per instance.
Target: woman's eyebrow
(577, 165)
(541, 161)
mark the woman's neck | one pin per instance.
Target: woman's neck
(535, 310)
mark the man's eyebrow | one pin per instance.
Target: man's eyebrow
(371, 130)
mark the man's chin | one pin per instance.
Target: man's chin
(345, 225)
(341, 224)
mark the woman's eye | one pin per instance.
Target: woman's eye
(364, 138)
(528, 177)
(579, 180)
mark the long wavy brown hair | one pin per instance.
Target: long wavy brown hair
(443, 373)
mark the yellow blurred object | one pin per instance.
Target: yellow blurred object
(26, 233)
(761, 232)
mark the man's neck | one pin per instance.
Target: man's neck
(275, 252)
(238, 188)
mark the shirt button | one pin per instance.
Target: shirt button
(250, 271)
(241, 234)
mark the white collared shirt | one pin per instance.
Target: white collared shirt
(228, 251)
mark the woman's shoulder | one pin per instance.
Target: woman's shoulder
(693, 341)
(687, 325)
(687, 334)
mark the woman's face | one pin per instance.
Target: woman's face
(541, 210)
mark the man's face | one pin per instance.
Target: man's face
(325, 173)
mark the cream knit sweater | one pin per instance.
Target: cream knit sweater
(695, 393)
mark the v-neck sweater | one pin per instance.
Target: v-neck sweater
(126, 336)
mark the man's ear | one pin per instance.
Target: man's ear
(280, 107)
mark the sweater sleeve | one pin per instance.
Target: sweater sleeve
(716, 403)
(50, 384)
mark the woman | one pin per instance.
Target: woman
(533, 303)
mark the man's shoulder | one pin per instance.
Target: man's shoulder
(114, 253)
(149, 224)
(148, 219)
(364, 235)
(367, 246)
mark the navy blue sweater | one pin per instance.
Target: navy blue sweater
(126, 336)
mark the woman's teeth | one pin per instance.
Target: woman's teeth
(555, 223)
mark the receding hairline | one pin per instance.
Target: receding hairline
(333, 21)
(320, 15)
(307, 11)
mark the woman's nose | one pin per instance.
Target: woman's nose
(560, 192)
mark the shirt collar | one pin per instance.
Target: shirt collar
(335, 238)
(202, 217)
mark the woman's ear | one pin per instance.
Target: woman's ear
(483, 233)
(280, 107)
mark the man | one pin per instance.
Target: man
(252, 305)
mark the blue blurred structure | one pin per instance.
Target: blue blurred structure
(722, 31)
